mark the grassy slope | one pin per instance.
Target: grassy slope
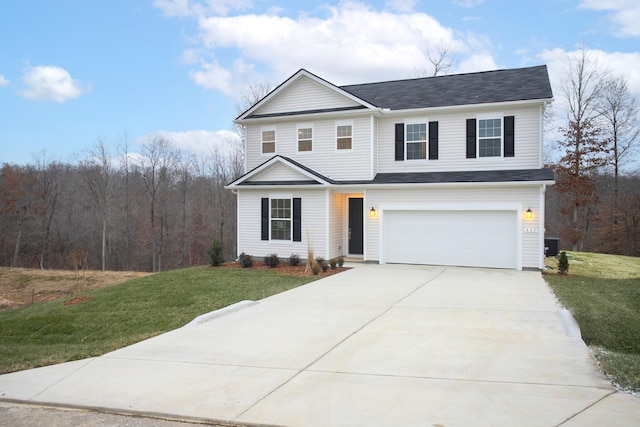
(120, 315)
(603, 293)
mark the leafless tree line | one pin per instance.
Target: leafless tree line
(595, 203)
(158, 210)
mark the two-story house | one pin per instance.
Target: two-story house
(444, 170)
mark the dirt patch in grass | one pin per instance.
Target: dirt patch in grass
(24, 286)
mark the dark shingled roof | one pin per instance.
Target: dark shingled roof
(520, 175)
(516, 175)
(517, 84)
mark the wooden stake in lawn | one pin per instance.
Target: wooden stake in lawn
(310, 257)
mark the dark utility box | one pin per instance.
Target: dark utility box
(551, 245)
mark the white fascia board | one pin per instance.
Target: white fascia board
(349, 187)
(341, 114)
(276, 187)
(432, 110)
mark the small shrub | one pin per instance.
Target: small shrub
(324, 266)
(333, 262)
(320, 260)
(340, 261)
(245, 260)
(272, 260)
(215, 253)
(294, 260)
(563, 263)
(315, 269)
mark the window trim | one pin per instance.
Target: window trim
(421, 121)
(275, 140)
(493, 116)
(273, 197)
(343, 123)
(304, 126)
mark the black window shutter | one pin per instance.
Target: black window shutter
(265, 218)
(433, 140)
(297, 219)
(399, 141)
(509, 146)
(471, 138)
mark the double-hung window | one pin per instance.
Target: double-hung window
(280, 219)
(344, 135)
(489, 137)
(268, 140)
(305, 138)
(416, 141)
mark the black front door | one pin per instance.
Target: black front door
(355, 226)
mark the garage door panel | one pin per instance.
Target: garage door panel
(466, 238)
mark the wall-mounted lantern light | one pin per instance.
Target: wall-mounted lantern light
(372, 212)
(529, 213)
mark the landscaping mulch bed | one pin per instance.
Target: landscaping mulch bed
(284, 268)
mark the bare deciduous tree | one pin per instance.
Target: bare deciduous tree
(619, 112)
(98, 174)
(158, 161)
(250, 96)
(584, 149)
(440, 60)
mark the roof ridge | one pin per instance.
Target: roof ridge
(444, 76)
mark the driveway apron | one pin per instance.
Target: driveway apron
(377, 345)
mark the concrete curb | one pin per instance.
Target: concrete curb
(220, 312)
(571, 327)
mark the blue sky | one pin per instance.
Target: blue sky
(76, 71)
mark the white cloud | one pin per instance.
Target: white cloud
(351, 44)
(477, 62)
(625, 15)
(3, 81)
(182, 8)
(51, 83)
(198, 142)
(616, 63)
(468, 3)
(404, 6)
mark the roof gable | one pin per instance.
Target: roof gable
(301, 93)
(520, 84)
(280, 170)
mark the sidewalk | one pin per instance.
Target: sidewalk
(375, 346)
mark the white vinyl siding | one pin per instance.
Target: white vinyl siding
(279, 172)
(448, 198)
(452, 143)
(349, 165)
(305, 95)
(313, 225)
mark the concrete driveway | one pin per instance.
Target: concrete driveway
(373, 346)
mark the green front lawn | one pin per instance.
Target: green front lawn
(603, 294)
(121, 315)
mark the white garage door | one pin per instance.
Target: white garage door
(463, 238)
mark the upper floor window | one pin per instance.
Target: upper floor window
(269, 141)
(344, 135)
(489, 137)
(305, 138)
(416, 140)
(280, 219)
